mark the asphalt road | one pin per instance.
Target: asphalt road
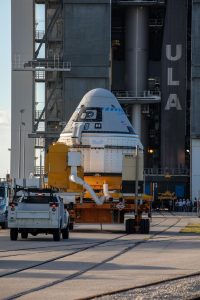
(95, 261)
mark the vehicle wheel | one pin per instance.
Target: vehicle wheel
(65, 233)
(147, 226)
(56, 235)
(4, 225)
(71, 226)
(13, 234)
(142, 226)
(130, 226)
(24, 235)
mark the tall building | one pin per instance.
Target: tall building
(139, 49)
(22, 148)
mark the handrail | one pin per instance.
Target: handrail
(129, 94)
(38, 113)
(39, 34)
(156, 22)
(140, 1)
(39, 170)
(55, 63)
(40, 75)
(166, 171)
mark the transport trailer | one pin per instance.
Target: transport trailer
(112, 205)
(136, 220)
(35, 211)
(97, 165)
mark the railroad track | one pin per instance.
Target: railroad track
(156, 290)
(51, 247)
(126, 247)
(78, 250)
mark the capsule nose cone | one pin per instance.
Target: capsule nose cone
(99, 111)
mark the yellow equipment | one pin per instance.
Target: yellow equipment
(166, 200)
(97, 198)
(56, 166)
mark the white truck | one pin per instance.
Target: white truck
(4, 202)
(35, 211)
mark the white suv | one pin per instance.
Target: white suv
(35, 211)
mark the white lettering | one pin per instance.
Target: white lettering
(173, 101)
(169, 52)
(170, 81)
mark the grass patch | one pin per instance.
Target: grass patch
(191, 228)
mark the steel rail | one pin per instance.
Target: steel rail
(81, 272)
(57, 246)
(59, 257)
(144, 286)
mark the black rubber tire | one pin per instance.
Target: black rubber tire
(65, 233)
(4, 225)
(130, 226)
(142, 226)
(147, 226)
(127, 226)
(71, 226)
(13, 234)
(56, 235)
(24, 234)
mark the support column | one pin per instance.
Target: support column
(136, 117)
(136, 57)
(195, 105)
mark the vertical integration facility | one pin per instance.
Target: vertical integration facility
(145, 52)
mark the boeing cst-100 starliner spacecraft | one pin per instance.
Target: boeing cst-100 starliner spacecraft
(97, 164)
(101, 130)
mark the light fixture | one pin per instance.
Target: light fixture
(150, 151)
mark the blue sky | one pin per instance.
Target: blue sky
(5, 85)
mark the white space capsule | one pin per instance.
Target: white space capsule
(101, 130)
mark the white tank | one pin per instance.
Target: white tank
(101, 130)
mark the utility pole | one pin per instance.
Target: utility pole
(20, 142)
(24, 149)
(136, 181)
(41, 173)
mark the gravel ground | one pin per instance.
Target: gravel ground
(182, 289)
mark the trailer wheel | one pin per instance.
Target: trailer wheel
(24, 235)
(130, 226)
(147, 226)
(13, 234)
(65, 233)
(144, 226)
(56, 235)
